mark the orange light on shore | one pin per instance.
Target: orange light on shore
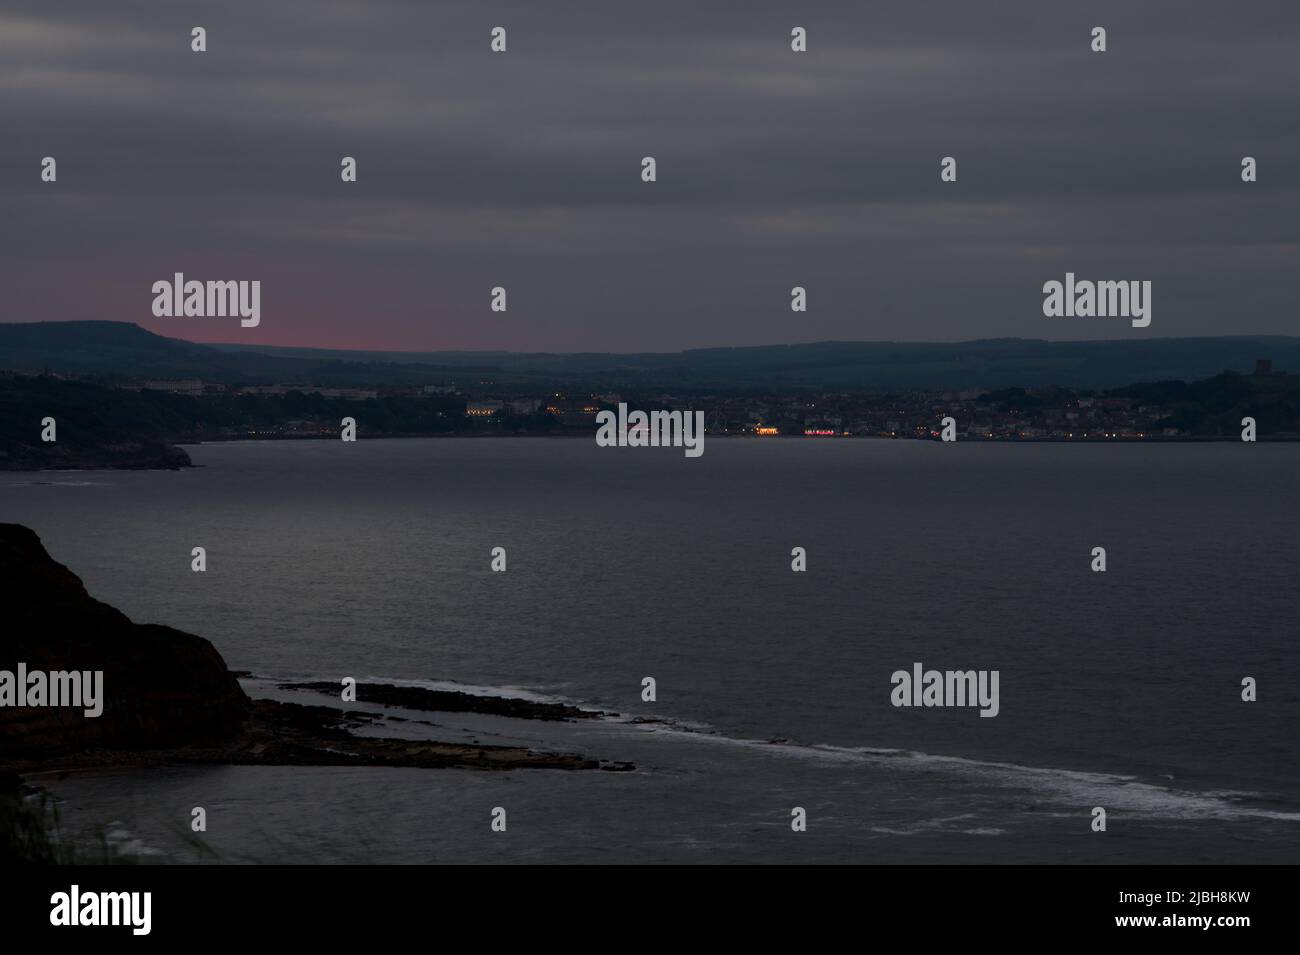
(766, 431)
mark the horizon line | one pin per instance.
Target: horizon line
(680, 351)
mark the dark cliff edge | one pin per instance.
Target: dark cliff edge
(161, 687)
(168, 697)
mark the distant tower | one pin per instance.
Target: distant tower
(1263, 366)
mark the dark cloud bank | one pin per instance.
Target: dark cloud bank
(775, 169)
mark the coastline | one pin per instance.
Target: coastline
(176, 458)
(169, 699)
(291, 734)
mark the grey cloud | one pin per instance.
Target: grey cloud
(775, 169)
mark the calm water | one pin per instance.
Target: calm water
(371, 560)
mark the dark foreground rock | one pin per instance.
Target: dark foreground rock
(289, 734)
(169, 698)
(452, 701)
(161, 687)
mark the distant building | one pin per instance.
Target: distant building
(348, 394)
(1263, 366)
(483, 409)
(185, 386)
(574, 412)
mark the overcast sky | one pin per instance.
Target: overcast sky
(775, 169)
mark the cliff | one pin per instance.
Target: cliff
(162, 687)
(168, 697)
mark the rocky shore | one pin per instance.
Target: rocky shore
(451, 701)
(122, 455)
(168, 697)
(289, 734)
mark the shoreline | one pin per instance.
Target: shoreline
(89, 462)
(169, 697)
(292, 734)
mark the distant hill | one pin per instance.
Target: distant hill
(122, 349)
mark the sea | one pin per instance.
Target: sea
(1120, 690)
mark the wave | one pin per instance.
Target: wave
(1066, 789)
(444, 686)
(59, 484)
(125, 843)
